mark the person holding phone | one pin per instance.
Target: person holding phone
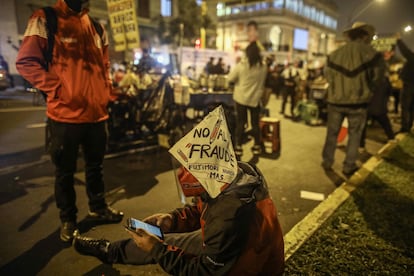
(241, 232)
(232, 227)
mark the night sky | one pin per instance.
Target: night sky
(388, 17)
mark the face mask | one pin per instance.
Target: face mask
(77, 5)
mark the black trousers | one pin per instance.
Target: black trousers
(64, 146)
(241, 121)
(407, 107)
(288, 91)
(385, 123)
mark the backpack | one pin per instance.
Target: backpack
(51, 28)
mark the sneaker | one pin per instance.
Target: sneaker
(91, 247)
(256, 149)
(238, 150)
(67, 231)
(349, 172)
(107, 215)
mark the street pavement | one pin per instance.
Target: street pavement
(140, 184)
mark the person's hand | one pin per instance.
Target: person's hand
(164, 221)
(143, 239)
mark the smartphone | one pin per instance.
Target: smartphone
(133, 224)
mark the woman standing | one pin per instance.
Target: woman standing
(249, 77)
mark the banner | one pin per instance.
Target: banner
(124, 25)
(207, 153)
(383, 44)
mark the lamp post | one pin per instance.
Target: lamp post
(353, 16)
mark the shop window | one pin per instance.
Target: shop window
(143, 8)
(166, 9)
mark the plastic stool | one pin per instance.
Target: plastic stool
(270, 132)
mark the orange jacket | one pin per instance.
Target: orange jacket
(77, 83)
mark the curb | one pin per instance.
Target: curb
(312, 221)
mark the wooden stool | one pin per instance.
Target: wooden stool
(270, 132)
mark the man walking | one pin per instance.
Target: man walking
(78, 86)
(353, 72)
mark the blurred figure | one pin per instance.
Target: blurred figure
(354, 71)
(249, 77)
(252, 31)
(378, 109)
(118, 75)
(209, 69)
(5, 66)
(394, 66)
(146, 61)
(290, 77)
(407, 95)
(219, 67)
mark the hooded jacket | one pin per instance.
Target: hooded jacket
(354, 72)
(240, 228)
(77, 82)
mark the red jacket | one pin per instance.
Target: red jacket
(77, 83)
(240, 228)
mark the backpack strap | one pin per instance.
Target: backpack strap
(51, 28)
(97, 26)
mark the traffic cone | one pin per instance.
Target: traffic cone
(342, 138)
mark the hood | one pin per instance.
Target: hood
(249, 184)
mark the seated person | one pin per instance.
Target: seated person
(231, 229)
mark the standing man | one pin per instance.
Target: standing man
(354, 72)
(407, 94)
(78, 86)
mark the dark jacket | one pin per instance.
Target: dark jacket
(354, 72)
(241, 232)
(407, 73)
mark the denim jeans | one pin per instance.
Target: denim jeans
(65, 141)
(356, 122)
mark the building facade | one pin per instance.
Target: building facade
(290, 29)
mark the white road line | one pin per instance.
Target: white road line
(36, 125)
(312, 195)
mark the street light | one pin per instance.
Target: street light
(407, 29)
(361, 10)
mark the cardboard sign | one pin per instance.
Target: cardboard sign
(207, 153)
(124, 24)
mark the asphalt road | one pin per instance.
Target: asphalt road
(139, 183)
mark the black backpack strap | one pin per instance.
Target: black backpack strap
(97, 26)
(51, 28)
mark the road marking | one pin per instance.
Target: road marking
(36, 125)
(312, 195)
(20, 109)
(313, 220)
